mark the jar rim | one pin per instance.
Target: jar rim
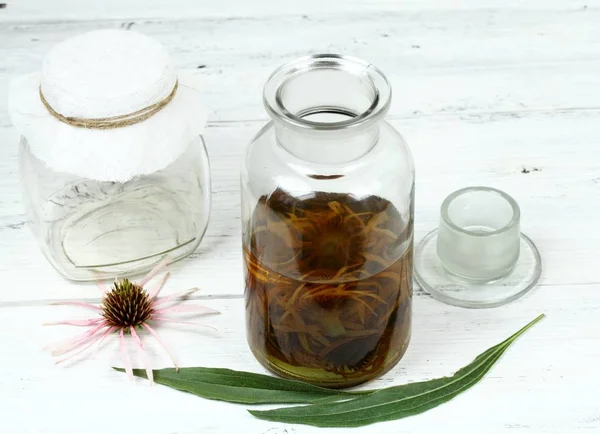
(379, 104)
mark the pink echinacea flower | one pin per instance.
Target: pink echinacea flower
(126, 306)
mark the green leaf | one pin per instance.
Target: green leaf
(394, 402)
(243, 387)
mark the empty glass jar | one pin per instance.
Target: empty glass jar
(327, 220)
(114, 169)
(90, 229)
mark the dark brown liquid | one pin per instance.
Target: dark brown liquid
(328, 286)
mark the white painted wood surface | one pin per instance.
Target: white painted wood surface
(482, 90)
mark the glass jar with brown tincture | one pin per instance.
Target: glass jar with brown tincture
(327, 221)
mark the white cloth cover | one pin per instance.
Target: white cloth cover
(100, 74)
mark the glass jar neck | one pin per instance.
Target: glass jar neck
(327, 108)
(326, 147)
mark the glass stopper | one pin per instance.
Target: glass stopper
(477, 257)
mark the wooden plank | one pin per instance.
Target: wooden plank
(483, 90)
(544, 383)
(559, 211)
(465, 61)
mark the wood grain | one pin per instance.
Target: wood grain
(534, 385)
(498, 93)
(35, 10)
(439, 62)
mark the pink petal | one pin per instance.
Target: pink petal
(108, 332)
(180, 295)
(97, 339)
(125, 356)
(103, 286)
(162, 264)
(163, 319)
(157, 337)
(149, 372)
(77, 322)
(154, 292)
(202, 310)
(75, 343)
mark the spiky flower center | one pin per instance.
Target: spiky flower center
(126, 304)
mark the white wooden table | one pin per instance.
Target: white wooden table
(503, 93)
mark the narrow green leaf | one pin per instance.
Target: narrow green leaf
(242, 387)
(394, 402)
